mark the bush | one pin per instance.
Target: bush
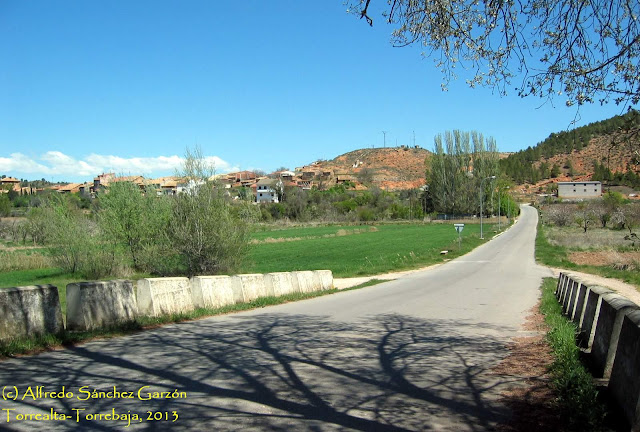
(366, 215)
(77, 244)
(206, 234)
(133, 220)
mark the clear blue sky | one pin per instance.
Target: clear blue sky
(126, 86)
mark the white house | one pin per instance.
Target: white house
(266, 190)
(583, 189)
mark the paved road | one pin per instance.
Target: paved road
(411, 354)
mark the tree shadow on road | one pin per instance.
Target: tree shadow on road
(281, 372)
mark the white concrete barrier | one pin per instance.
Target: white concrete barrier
(92, 305)
(253, 286)
(280, 283)
(212, 291)
(307, 281)
(28, 311)
(325, 278)
(160, 296)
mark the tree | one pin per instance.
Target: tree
(584, 217)
(612, 200)
(206, 234)
(601, 212)
(77, 244)
(5, 205)
(558, 214)
(455, 170)
(583, 51)
(133, 219)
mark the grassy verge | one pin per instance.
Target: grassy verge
(577, 394)
(558, 256)
(50, 341)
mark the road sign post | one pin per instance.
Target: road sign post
(459, 227)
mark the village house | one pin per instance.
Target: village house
(582, 189)
(266, 190)
(70, 188)
(9, 183)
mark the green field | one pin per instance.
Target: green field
(355, 251)
(346, 250)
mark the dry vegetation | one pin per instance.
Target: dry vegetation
(572, 237)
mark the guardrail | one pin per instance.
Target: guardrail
(609, 334)
(34, 310)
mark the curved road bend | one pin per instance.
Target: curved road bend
(412, 354)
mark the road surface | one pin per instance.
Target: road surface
(412, 354)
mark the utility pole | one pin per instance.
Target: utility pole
(384, 134)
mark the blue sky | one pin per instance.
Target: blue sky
(126, 86)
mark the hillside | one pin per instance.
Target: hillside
(387, 168)
(605, 150)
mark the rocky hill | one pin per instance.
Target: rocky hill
(615, 151)
(605, 150)
(387, 168)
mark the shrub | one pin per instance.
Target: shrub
(206, 234)
(366, 215)
(78, 246)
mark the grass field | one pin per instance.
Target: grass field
(355, 251)
(346, 250)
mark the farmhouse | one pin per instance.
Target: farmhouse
(266, 190)
(583, 189)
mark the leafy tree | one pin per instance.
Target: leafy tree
(77, 246)
(133, 219)
(206, 234)
(455, 170)
(583, 51)
(5, 205)
(612, 201)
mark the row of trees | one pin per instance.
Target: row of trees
(464, 171)
(343, 203)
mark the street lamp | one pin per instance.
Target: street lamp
(481, 198)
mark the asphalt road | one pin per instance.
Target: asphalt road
(412, 354)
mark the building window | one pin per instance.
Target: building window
(585, 190)
(260, 194)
